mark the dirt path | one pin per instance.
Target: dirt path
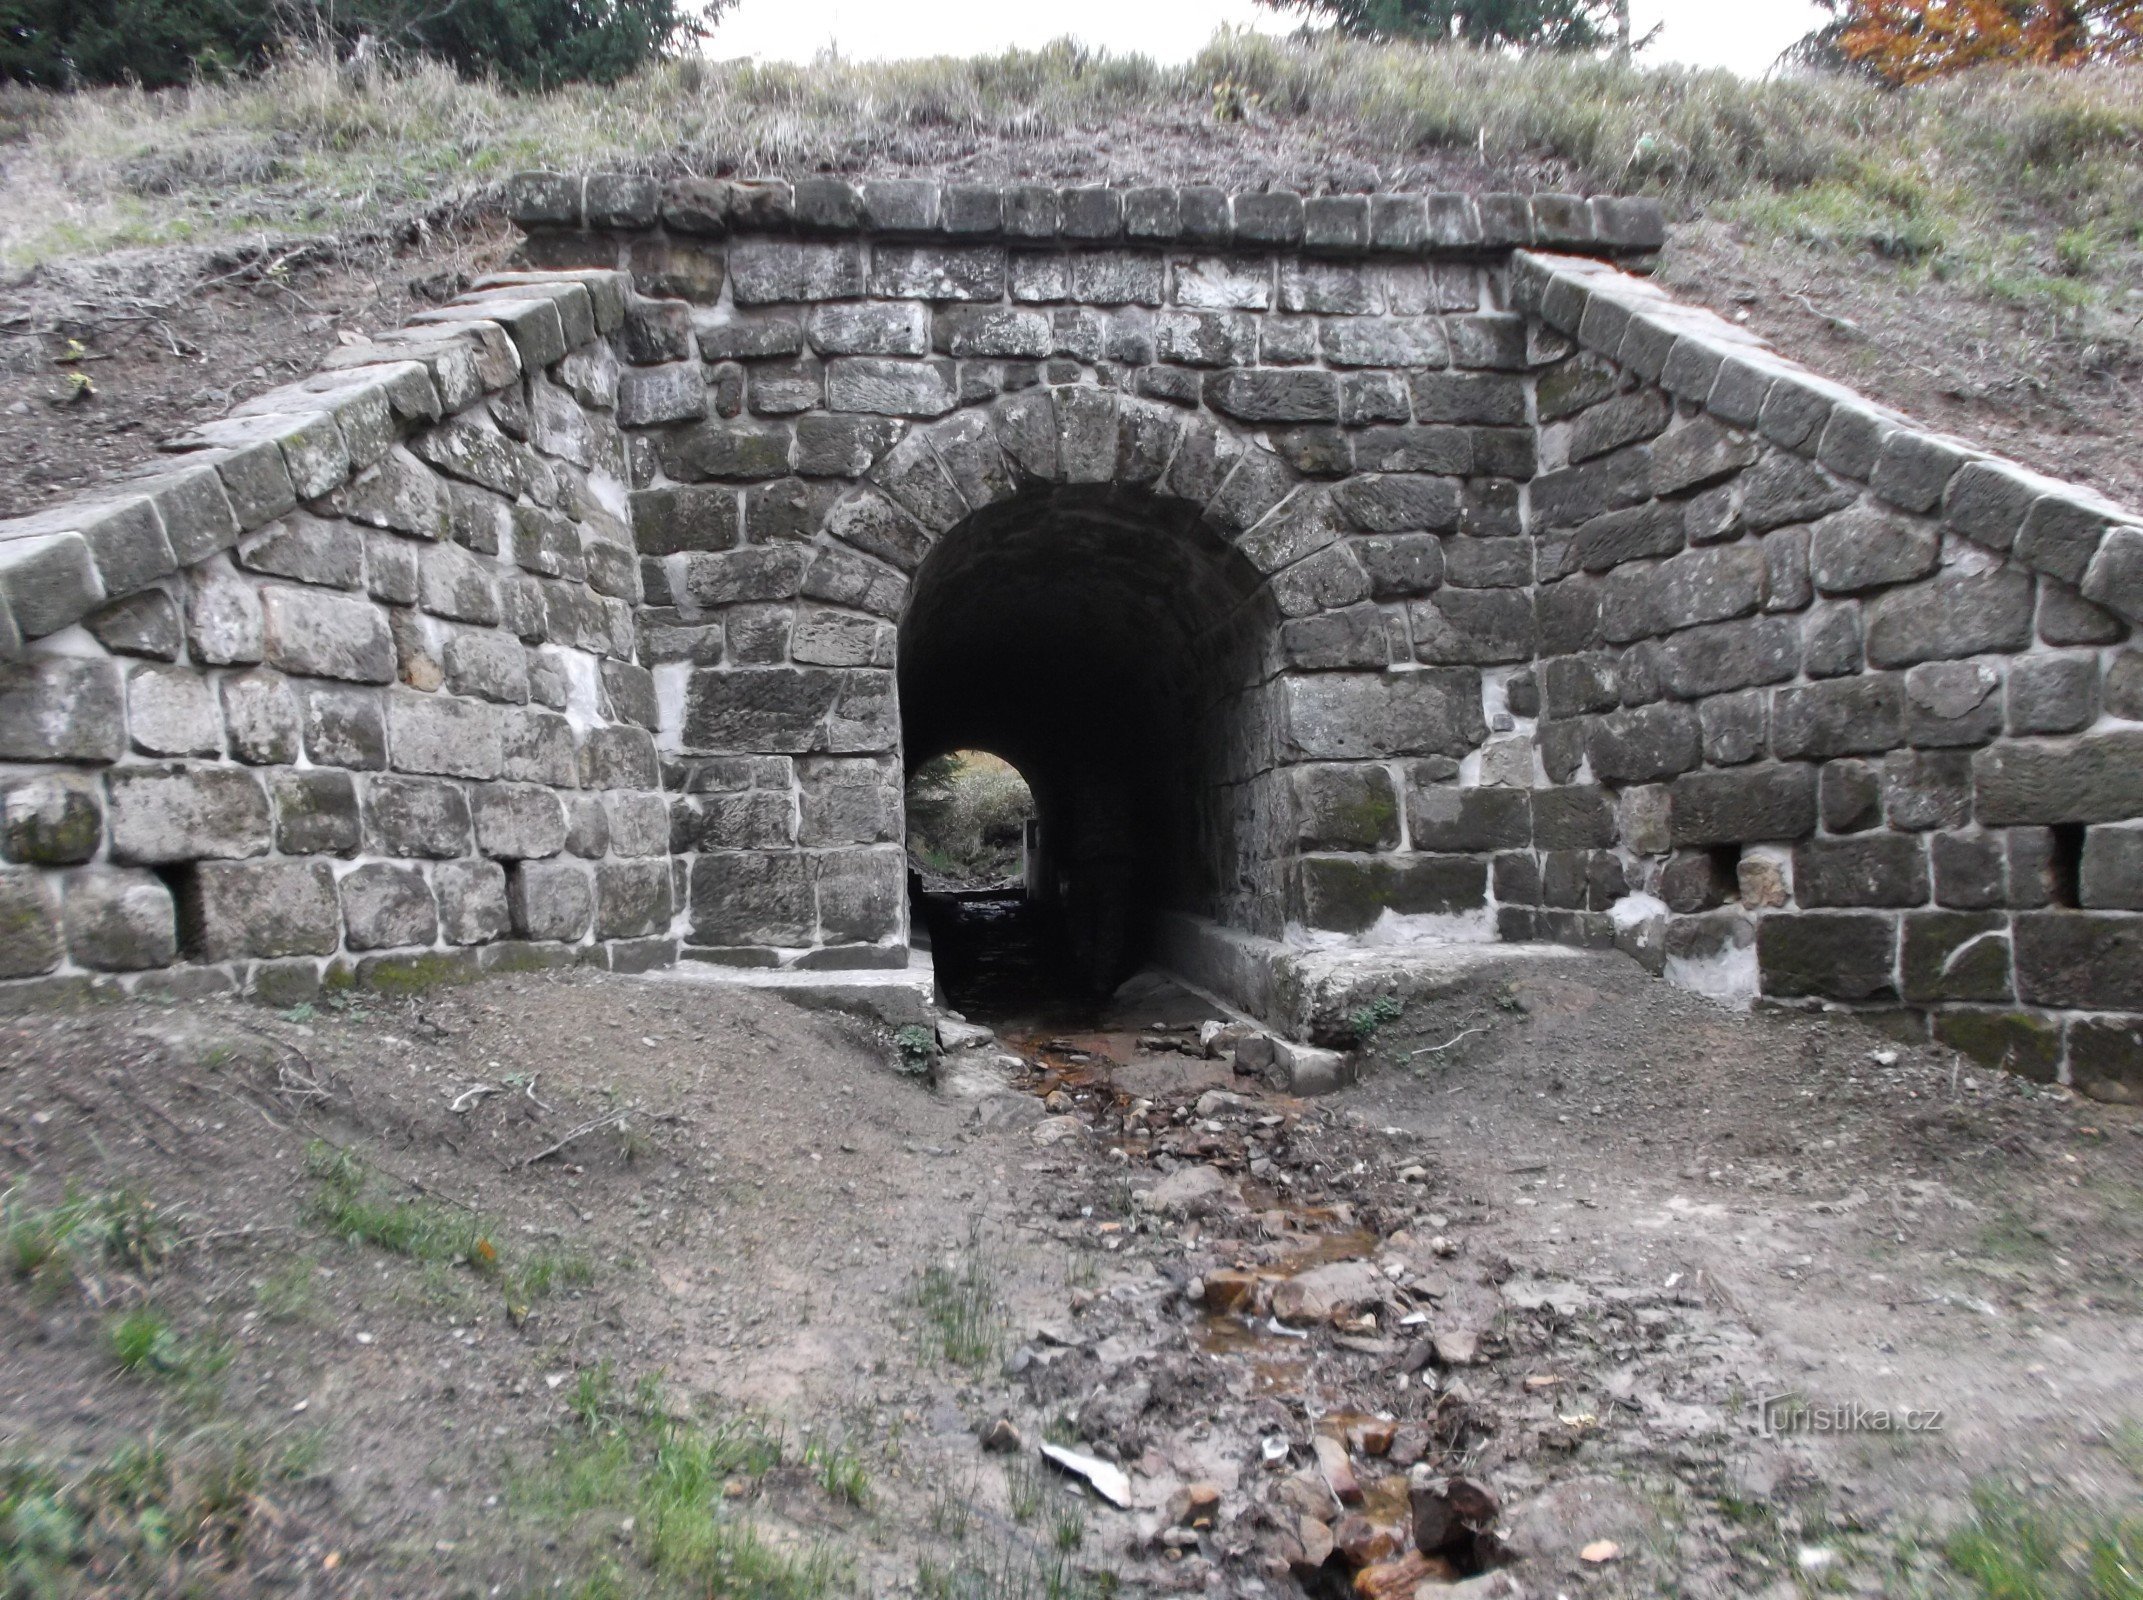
(747, 1329)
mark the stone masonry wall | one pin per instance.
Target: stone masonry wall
(827, 378)
(1504, 597)
(348, 687)
(1851, 705)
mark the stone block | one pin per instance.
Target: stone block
(1695, 881)
(61, 708)
(1444, 818)
(454, 583)
(618, 758)
(2060, 536)
(1607, 541)
(120, 920)
(587, 826)
(1348, 894)
(2018, 1041)
(1267, 394)
(1646, 745)
(174, 814)
(1745, 806)
(29, 924)
(420, 817)
(1872, 869)
(1474, 627)
(315, 634)
(751, 898)
(1722, 656)
(1357, 716)
(224, 625)
(673, 393)
(1850, 794)
(472, 901)
(1950, 703)
(632, 898)
(1575, 818)
(440, 734)
(1834, 956)
(637, 824)
(1847, 716)
(1970, 870)
(517, 821)
(385, 907)
(1402, 342)
(144, 624)
(343, 727)
(231, 909)
(488, 665)
(891, 388)
(859, 894)
(2089, 960)
(1925, 789)
(2111, 877)
(50, 819)
(1736, 727)
(1782, 489)
(1955, 955)
(848, 801)
(315, 812)
(2106, 1059)
(306, 549)
(172, 711)
(1950, 616)
(550, 900)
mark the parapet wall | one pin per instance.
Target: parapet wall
(565, 624)
(347, 689)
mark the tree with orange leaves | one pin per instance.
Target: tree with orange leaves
(1910, 41)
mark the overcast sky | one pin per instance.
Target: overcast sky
(1745, 35)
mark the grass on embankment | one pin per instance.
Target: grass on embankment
(2030, 175)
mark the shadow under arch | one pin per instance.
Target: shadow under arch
(1083, 611)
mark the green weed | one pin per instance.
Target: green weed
(82, 1237)
(2019, 1547)
(958, 1302)
(1365, 1021)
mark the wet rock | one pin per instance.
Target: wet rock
(1362, 1543)
(1337, 1470)
(1452, 1516)
(1308, 1494)
(1316, 1541)
(1229, 1292)
(1188, 1191)
(1398, 1580)
(1219, 1039)
(1196, 1505)
(1337, 1289)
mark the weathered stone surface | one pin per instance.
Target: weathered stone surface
(173, 814)
(61, 708)
(314, 634)
(1645, 745)
(30, 942)
(2023, 1042)
(1748, 805)
(1348, 894)
(1873, 869)
(751, 898)
(2080, 958)
(1953, 955)
(343, 727)
(1847, 716)
(119, 920)
(891, 388)
(1952, 703)
(145, 624)
(1838, 956)
(1950, 616)
(51, 819)
(1443, 817)
(439, 733)
(260, 908)
(315, 812)
(2111, 876)
(632, 898)
(423, 817)
(517, 821)
(1474, 627)
(2097, 778)
(1344, 807)
(1850, 794)
(858, 894)
(472, 901)
(172, 711)
(1782, 489)
(550, 900)
(387, 906)
(1356, 717)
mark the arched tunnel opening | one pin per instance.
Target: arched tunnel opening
(1104, 643)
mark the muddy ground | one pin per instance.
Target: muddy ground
(102, 359)
(573, 1283)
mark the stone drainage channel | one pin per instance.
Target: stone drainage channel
(1279, 1289)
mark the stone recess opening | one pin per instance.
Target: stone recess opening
(1103, 640)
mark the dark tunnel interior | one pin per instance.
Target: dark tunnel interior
(1099, 641)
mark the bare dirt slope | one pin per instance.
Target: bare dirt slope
(738, 1331)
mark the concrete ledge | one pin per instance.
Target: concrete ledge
(896, 996)
(1309, 994)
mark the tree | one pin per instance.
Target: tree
(527, 44)
(56, 44)
(1910, 41)
(1550, 24)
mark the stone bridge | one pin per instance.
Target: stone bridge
(1372, 569)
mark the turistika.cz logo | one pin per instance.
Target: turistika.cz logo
(1778, 1414)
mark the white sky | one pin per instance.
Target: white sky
(1745, 35)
